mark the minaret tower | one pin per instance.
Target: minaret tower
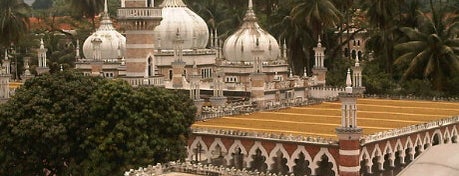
(42, 65)
(27, 75)
(257, 77)
(5, 77)
(319, 70)
(195, 90)
(349, 133)
(357, 77)
(178, 66)
(139, 19)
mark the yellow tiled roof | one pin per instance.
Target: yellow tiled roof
(374, 115)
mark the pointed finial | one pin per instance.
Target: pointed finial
(305, 72)
(250, 4)
(348, 81)
(61, 68)
(319, 42)
(42, 44)
(357, 62)
(106, 7)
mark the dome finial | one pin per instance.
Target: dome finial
(106, 7)
(348, 81)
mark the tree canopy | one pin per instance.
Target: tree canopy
(69, 124)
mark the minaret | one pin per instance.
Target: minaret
(349, 133)
(257, 77)
(319, 70)
(77, 51)
(357, 77)
(139, 19)
(218, 99)
(42, 65)
(195, 90)
(27, 75)
(178, 66)
(5, 77)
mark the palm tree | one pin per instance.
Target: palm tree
(432, 50)
(318, 14)
(382, 16)
(88, 8)
(14, 22)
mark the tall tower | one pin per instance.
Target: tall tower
(357, 77)
(42, 65)
(178, 66)
(139, 18)
(319, 70)
(258, 77)
(5, 77)
(349, 133)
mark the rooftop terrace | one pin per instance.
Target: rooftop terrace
(374, 115)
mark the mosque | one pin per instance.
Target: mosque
(170, 46)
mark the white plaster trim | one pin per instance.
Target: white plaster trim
(349, 152)
(349, 169)
(141, 46)
(140, 32)
(136, 60)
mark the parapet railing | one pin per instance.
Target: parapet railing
(265, 136)
(196, 169)
(127, 13)
(408, 130)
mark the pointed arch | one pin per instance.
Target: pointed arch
(364, 152)
(398, 145)
(388, 148)
(236, 144)
(252, 151)
(437, 132)
(446, 136)
(427, 139)
(297, 152)
(418, 140)
(408, 143)
(194, 145)
(318, 157)
(213, 147)
(278, 147)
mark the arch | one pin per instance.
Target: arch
(418, 140)
(389, 151)
(193, 146)
(318, 157)
(278, 147)
(252, 151)
(365, 155)
(296, 153)
(435, 134)
(217, 141)
(454, 134)
(427, 140)
(446, 136)
(236, 144)
(409, 143)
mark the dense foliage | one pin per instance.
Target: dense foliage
(69, 124)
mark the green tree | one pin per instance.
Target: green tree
(90, 126)
(432, 50)
(14, 22)
(317, 14)
(88, 8)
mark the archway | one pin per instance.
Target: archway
(237, 159)
(325, 167)
(279, 165)
(217, 156)
(258, 162)
(301, 166)
(436, 139)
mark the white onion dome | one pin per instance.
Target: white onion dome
(250, 36)
(178, 17)
(111, 43)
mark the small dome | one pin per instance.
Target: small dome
(177, 17)
(112, 43)
(239, 46)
